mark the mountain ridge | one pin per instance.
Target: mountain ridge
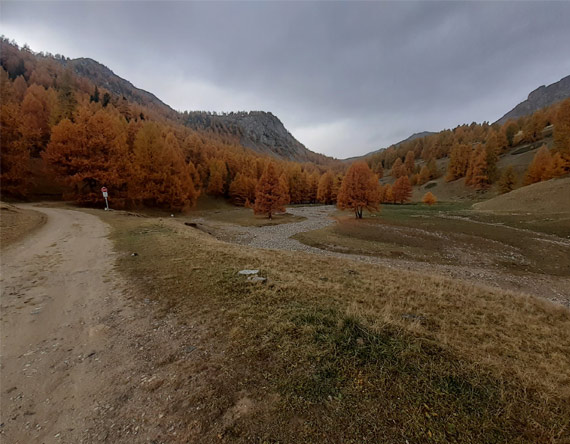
(260, 131)
(104, 77)
(410, 138)
(539, 98)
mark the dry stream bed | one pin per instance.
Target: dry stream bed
(460, 244)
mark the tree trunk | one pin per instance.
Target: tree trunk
(270, 215)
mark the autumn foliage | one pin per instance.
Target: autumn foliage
(402, 190)
(271, 193)
(429, 198)
(360, 190)
(87, 137)
(508, 180)
(83, 136)
(14, 155)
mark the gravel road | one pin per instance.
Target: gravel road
(59, 291)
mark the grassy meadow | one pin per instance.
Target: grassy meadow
(451, 234)
(340, 351)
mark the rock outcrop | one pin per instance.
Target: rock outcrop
(539, 98)
(258, 130)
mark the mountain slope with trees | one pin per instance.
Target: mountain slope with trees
(261, 131)
(63, 132)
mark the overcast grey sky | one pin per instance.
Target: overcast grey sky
(345, 78)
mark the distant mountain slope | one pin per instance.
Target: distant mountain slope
(260, 131)
(409, 139)
(539, 98)
(414, 137)
(103, 77)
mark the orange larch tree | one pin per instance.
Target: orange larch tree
(378, 169)
(409, 162)
(161, 177)
(35, 119)
(284, 187)
(325, 190)
(402, 190)
(458, 162)
(477, 173)
(14, 154)
(312, 187)
(242, 189)
(270, 194)
(359, 190)
(90, 153)
(424, 175)
(398, 168)
(541, 167)
(217, 176)
(429, 199)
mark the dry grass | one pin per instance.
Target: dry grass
(445, 234)
(244, 217)
(332, 350)
(16, 223)
(550, 197)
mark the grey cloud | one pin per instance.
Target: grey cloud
(346, 78)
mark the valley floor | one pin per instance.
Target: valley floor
(520, 253)
(124, 328)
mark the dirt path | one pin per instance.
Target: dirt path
(59, 295)
(554, 288)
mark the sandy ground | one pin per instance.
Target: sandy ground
(554, 288)
(60, 304)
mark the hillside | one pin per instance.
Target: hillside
(409, 139)
(539, 98)
(550, 197)
(103, 77)
(260, 131)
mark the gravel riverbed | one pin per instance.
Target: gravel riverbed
(279, 237)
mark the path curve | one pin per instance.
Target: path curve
(58, 291)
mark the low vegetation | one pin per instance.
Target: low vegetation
(551, 198)
(333, 350)
(16, 223)
(499, 249)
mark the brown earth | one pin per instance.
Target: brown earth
(62, 307)
(15, 223)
